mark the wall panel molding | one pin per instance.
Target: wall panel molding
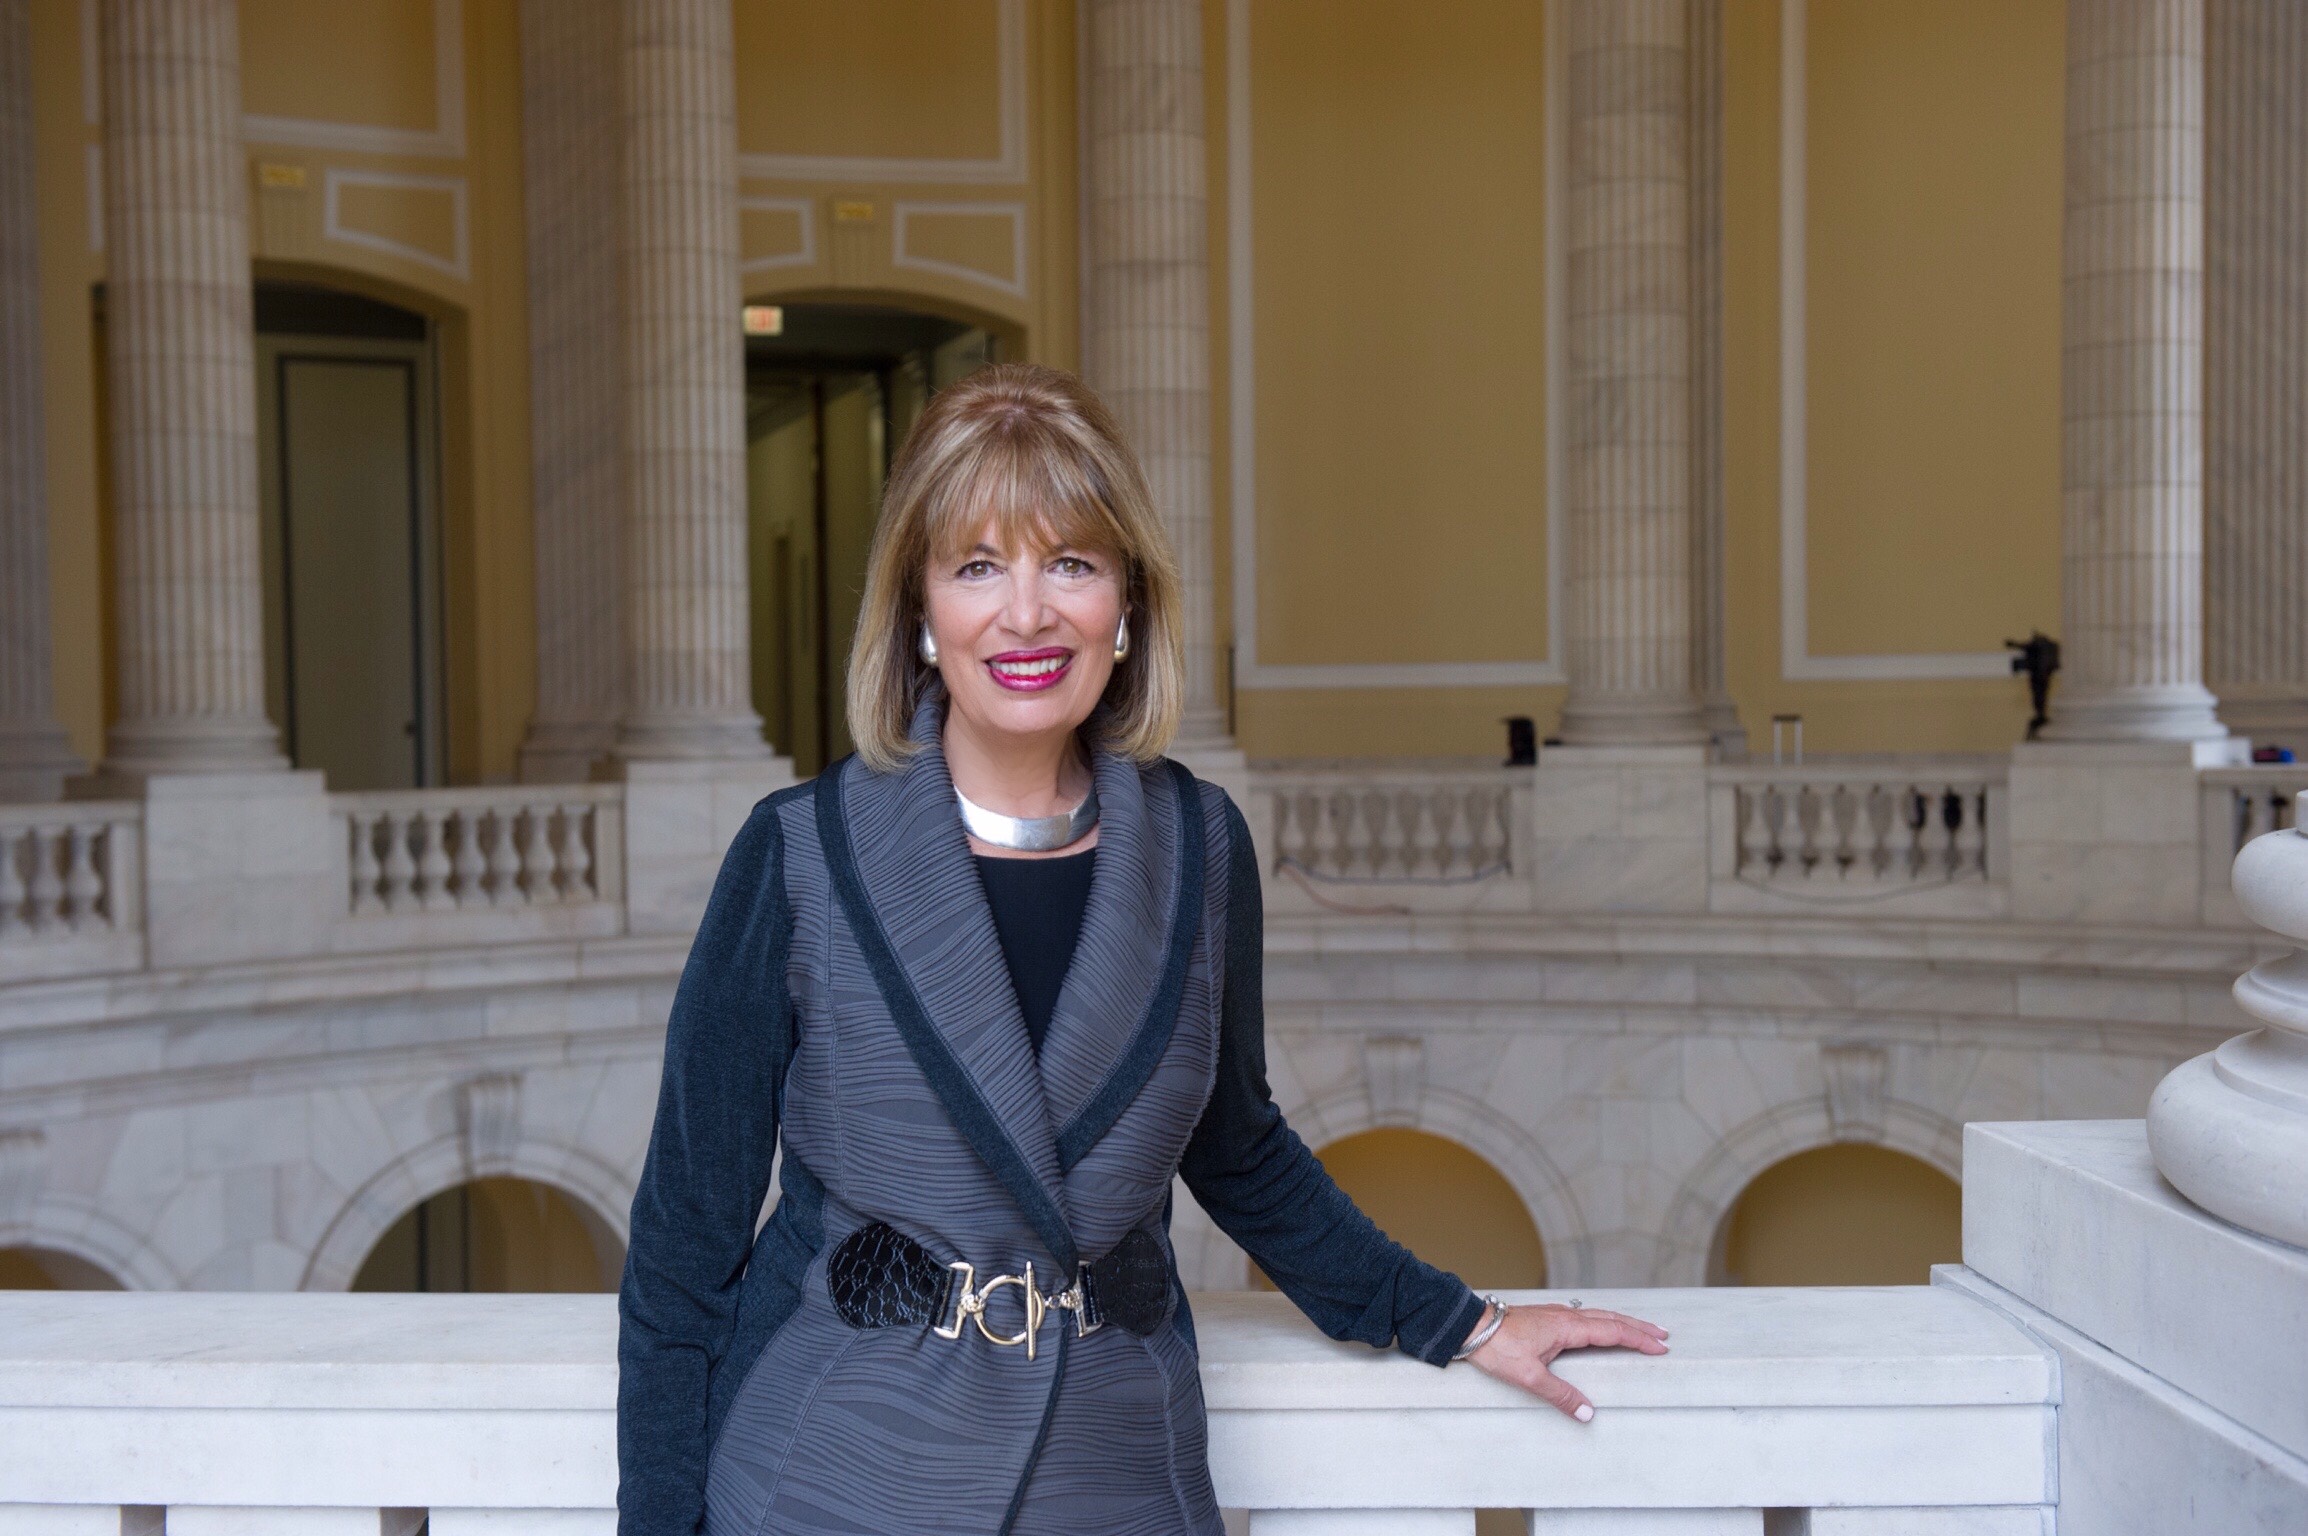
(457, 263)
(804, 211)
(1250, 673)
(1796, 661)
(1007, 168)
(903, 213)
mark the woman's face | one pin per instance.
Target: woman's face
(1025, 637)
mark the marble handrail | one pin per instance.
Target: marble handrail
(1912, 1410)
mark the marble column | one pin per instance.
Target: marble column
(34, 756)
(1630, 534)
(2132, 377)
(1146, 311)
(689, 689)
(182, 380)
(571, 143)
(1707, 527)
(2256, 366)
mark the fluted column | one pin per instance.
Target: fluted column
(1707, 526)
(571, 145)
(2132, 376)
(34, 757)
(2256, 366)
(182, 382)
(1146, 331)
(1629, 529)
(688, 671)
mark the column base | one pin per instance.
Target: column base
(35, 762)
(566, 751)
(2184, 712)
(142, 750)
(1725, 734)
(691, 738)
(1632, 720)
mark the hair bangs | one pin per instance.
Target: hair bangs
(1032, 485)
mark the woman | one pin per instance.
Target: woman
(993, 981)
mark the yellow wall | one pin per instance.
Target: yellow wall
(1399, 339)
(1842, 1215)
(1397, 216)
(1932, 320)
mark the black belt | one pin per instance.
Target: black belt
(881, 1278)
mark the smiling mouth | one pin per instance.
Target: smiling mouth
(1030, 671)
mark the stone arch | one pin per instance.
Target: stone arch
(1706, 1197)
(79, 1230)
(1546, 1195)
(1012, 330)
(443, 1164)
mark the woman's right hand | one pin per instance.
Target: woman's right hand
(1524, 1348)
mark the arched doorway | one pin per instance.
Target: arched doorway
(49, 1269)
(348, 473)
(1443, 1202)
(1849, 1214)
(831, 391)
(495, 1234)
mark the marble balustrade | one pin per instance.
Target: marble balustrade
(1927, 834)
(1914, 1410)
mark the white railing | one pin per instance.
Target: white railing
(2238, 804)
(1928, 834)
(1424, 834)
(437, 864)
(1913, 1410)
(70, 883)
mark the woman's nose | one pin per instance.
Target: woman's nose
(1023, 612)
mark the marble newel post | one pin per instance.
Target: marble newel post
(1146, 312)
(182, 380)
(689, 667)
(570, 147)
(1630, 531)
(34, 757)
(2132, 376)
(2230, 1129)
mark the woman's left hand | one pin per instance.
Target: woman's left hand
(1528, 1341)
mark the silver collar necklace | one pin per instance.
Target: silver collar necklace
(1030, 834)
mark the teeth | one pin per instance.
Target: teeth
(1041, 668)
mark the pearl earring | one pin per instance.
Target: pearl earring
(928, 647)
(1122, 639)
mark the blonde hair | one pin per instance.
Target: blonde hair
(1035, 451)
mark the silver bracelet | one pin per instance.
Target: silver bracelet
(1482, 1335)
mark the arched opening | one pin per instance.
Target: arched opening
(349, 480)
(1847, 1214)
(1441, 1201)
(495, 1234)
(831, 391)
(49, 1269)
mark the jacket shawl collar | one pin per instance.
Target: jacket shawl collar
(904, 876)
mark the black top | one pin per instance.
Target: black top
(1038, 906)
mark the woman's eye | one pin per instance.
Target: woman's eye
(976, 569)
(1072, 565)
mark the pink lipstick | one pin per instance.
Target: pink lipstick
(1031, 671)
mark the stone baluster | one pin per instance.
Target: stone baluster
(571, 141)
(2256, 366)
(470, 865)
(504, 860)
(1629, 526)
(687, 621)
(34, 756)
(181, 374)
(1146, 312)
(2230, 1128)
(2132, 376)
(365, 869)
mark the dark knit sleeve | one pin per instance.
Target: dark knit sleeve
(727, 1044)
(1270, 1194)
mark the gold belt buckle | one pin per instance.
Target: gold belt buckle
(970, 1307)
